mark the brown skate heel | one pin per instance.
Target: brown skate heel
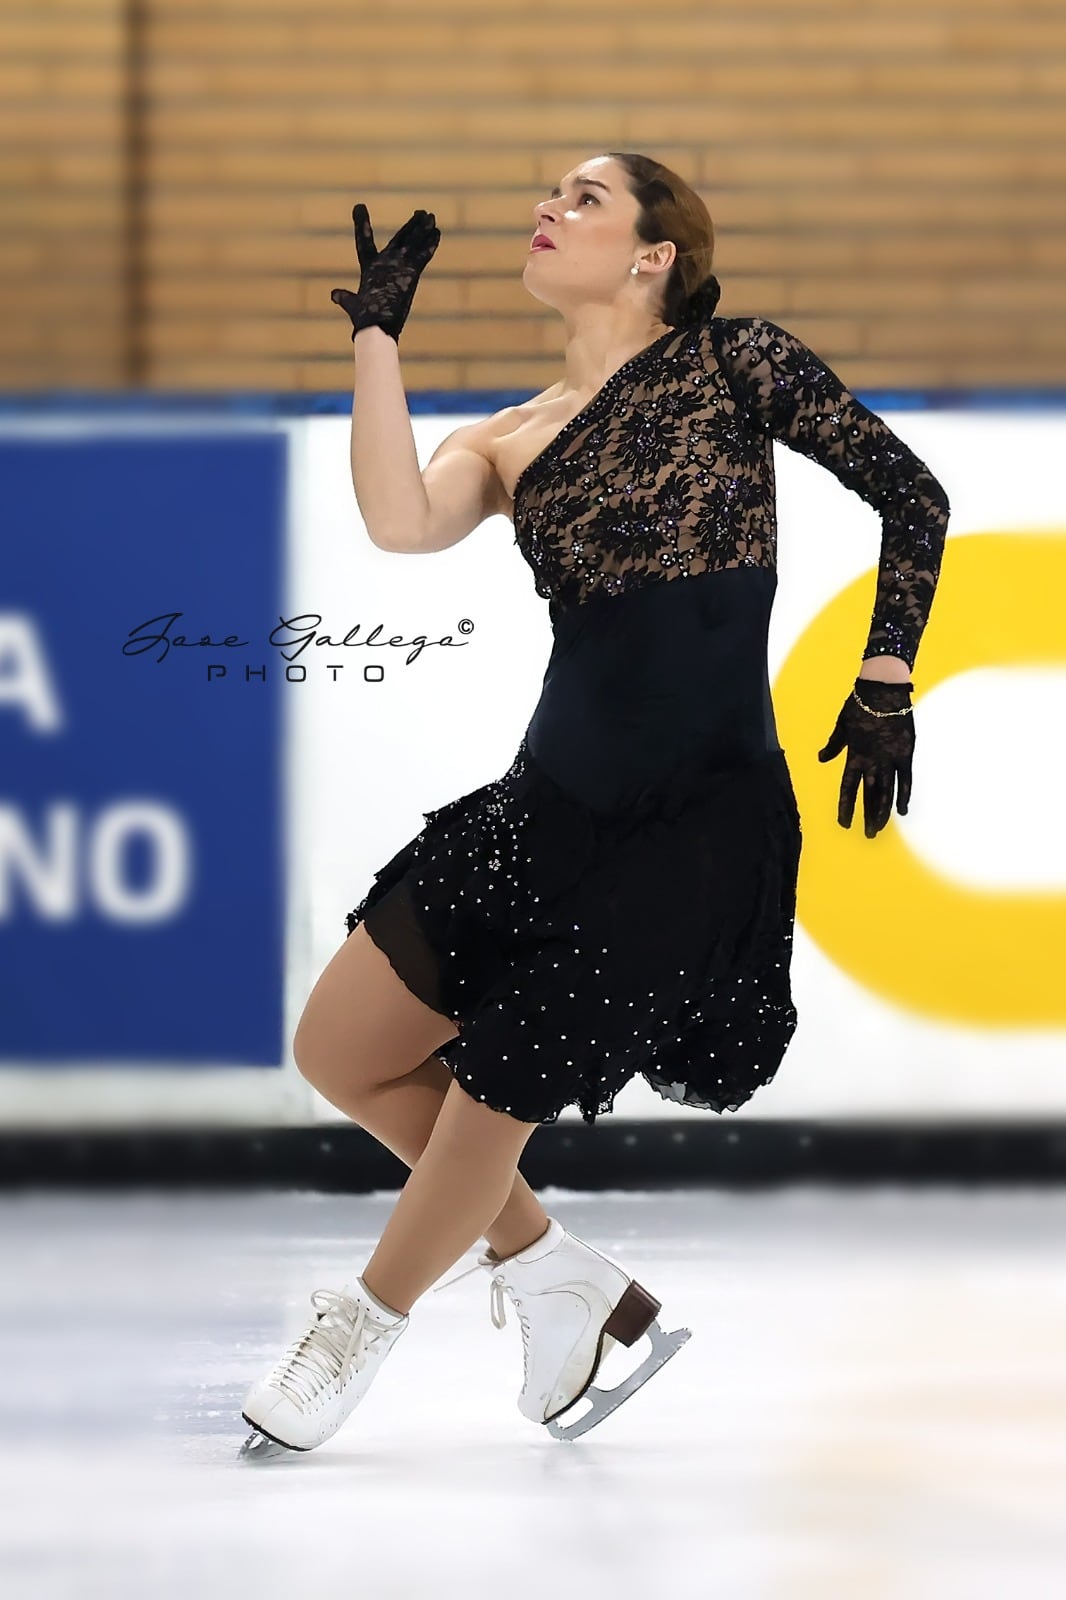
(633, 1315)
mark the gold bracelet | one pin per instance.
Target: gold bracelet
(904, 711)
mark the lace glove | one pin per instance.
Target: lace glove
(388, 278)
(880, 743)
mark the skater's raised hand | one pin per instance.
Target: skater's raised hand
(388, 277)
(880, 744)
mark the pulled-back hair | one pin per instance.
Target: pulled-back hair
(669, 208)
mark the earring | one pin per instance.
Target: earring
(633, 269)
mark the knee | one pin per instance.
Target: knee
(322, 1070)
(301, 1053)
(336, 1067)
(308, 1054)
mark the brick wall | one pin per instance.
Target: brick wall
(178, 177)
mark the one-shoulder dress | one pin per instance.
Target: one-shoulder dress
(621, 900)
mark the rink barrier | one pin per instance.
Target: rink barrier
(628, 1154)
(252, 403)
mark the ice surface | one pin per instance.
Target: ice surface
(872, 1403)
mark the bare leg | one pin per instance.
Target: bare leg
(401, 1115)
(359, 1032)
(457, 1187)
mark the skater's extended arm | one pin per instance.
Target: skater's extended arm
(408, 510)
(385, 473)
(786, 390)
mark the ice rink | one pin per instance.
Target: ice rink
(872, 1405)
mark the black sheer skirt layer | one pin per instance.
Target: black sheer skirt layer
(574, 949)
(621, 900)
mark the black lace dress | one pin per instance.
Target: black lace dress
(621, 900)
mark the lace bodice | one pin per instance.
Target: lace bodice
(668, 473)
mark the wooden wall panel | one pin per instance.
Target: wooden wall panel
(178, 176)
(63, 205)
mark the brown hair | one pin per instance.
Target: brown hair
(669, 208)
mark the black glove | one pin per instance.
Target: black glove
(879, 752)
(388, 278)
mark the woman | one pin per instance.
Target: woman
(621, 900)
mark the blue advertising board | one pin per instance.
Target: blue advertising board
(142, 852)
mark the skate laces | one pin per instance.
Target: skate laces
(497, 1289)
(481, 1262)
(498, 1308)
(343, 1332)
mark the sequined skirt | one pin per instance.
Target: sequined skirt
(574, 949)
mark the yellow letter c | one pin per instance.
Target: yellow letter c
(909, 934)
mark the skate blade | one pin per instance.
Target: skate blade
(261, 1447)
(604, 1401)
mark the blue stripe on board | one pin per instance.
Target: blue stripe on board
(437, 402)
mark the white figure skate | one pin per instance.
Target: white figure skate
(574, 1304)
(323, 1374)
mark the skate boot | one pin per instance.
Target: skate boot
(574, 1305)
(323, 1374)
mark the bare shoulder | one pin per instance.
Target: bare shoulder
(514, 435)
(501, 439)
(467, 480)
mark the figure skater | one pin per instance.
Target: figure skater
(622, 899)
